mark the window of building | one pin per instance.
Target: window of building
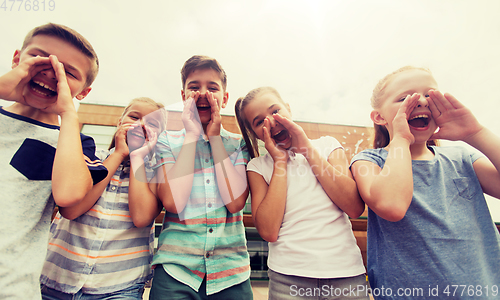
(101, 134)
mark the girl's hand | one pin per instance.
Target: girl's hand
(13, 82)
(300, 143)
(455, 121)
(149, 141)
(213, 128)
(400, 125)
(190, 117)
(276, 152)
(121, 146)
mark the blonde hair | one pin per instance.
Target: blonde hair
(71, 36)
(243, 123)
(381, 136)
(146, 100)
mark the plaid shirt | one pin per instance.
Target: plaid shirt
(101, 251)
(206, 239)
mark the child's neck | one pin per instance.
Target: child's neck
(33, 113)
(420, 151)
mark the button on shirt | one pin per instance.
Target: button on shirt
(205, 239)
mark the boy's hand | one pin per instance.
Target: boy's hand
(455, 121)
(190, 117)
(213, 128)
(400, 125)
(300, 142)
(13, 82)
(276, 152)
(64, 101)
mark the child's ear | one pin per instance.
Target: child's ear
(16, 58)
(183, 95)
(225, 99)
(377, 118)
(83, 93)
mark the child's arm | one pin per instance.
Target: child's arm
(456, 122)
(144, 206)
(388, 191)
(231, 180)
(268, 201)
(112, 163)
(175, 181)
(332, 174)
(13, 82)
(71, 178)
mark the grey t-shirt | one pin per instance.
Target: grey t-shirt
(27, 149)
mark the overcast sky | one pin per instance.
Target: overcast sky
(324, 57)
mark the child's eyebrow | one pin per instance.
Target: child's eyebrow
(269, 108)
(46, 54)
(41, 51)
(197, 82)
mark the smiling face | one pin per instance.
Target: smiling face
(408, 82)
(205, 81)
(264, 106)
(148, 117)
(41, 90)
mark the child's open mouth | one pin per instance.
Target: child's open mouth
(42, 89)
(281, 136)
(419, 121)
(203, 107)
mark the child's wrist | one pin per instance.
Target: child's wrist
(401, 141)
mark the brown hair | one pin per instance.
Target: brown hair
(147, 101)
(381, 136)
(200, 62)
(245, 127)
(71, 36)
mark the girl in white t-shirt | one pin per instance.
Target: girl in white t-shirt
(302, 194)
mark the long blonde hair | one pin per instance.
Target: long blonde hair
(381, 136)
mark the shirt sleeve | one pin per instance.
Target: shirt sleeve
(242, 155)
(326, 145)
(163, 151)
(376, 156)
(97, 170)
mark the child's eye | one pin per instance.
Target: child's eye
(213, 89)
(155, 125)
(402, 99)
(193, 88)
(71, 74)
(427, 96)
(258, 123)
(133, 117)
(276, 111)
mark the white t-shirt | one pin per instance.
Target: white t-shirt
(315, 239)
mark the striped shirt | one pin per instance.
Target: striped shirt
(101, 251)
(206, 239)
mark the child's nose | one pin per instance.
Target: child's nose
(49, 73)
(272, 121)
(422, 101)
